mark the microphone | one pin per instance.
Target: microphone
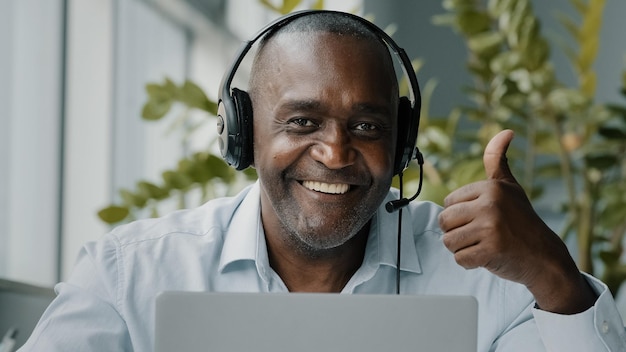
(397, 204)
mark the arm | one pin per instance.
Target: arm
(83, 316)
(492, 224)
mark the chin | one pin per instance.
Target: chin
(327, 237)
(316, 248)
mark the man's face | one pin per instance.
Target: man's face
(324, 136)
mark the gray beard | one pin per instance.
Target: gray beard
(316, 246)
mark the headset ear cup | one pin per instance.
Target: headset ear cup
(243, 149)
(407, 135)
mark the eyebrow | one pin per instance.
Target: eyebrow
(314, 105)
(301, 105)
(372, 109)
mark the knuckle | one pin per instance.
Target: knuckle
(447, 241)
(442, 219)
(447, 201)
(465, 260)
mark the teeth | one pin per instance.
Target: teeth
(333, 188)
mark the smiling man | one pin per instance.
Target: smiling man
(325, 152)
(326, 119)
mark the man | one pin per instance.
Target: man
(325, 102)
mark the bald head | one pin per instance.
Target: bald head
(305, 29)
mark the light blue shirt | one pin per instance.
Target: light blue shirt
(107, 304)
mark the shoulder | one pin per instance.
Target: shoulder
(210, 218)
(180, 233)
(160, 250)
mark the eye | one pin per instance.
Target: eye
(370, 130)
(366, 127)
(302, 122)
(301, 125)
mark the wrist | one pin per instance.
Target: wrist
(563, 293)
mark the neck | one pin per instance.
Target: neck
(327, 270)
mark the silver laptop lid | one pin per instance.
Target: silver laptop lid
(234, 322)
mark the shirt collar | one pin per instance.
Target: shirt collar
(245, 236)
(382, 249)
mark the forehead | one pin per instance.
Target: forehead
(339, 74)
(320, 43)
(323, 51)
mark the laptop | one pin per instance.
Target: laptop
(307, 322)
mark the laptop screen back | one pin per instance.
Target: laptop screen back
(302, 322)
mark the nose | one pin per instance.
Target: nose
(334, 149)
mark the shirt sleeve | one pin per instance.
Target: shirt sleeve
(600, 328)
(83, 316)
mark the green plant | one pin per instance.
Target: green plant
(202, 172)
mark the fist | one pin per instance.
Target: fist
(492, 224)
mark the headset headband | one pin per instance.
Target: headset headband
(399, 52)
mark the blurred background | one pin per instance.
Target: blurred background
(73, 76)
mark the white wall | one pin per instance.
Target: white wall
(30, 157)
(115, 48)
(88, 123)
(6, 107)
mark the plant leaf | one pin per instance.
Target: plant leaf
(446, 19)
(505, 62)
(289, 5)
(601, 161)
(176, 180)
(193, 96)
(219, 167)
(612, 133)
(155, 109)
(472, 22)
(569, 24)
(610, 258)
(151, 191)
(113, 214)
(485, 44)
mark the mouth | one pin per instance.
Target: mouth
(329, 188)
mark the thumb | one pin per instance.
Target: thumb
(494, 157)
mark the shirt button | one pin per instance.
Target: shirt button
(605, 327)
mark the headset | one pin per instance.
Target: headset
(235, 116)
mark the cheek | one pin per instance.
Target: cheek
(274, 152)
(380, 160)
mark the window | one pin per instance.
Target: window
(72, 133)
(30, 148)
(72, 77)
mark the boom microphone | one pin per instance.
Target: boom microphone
(395, 205)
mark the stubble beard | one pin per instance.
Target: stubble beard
(306, 234)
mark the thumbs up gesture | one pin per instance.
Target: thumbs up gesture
(492, 224)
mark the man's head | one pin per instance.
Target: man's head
(341, 24)
(325, 98)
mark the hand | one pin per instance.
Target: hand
(492, 224)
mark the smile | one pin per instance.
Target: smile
(331, 188)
